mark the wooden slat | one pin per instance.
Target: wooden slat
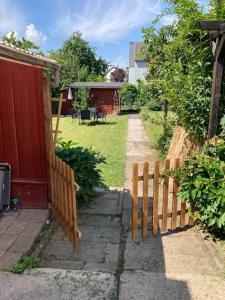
(160, 217)
(175, 197)
(57, 120)
(183, 213)
(74, 215)
(150, 176)
(145, 204)
(155, 198)
(58, 99)
(165, 196)
(63, 196)
(135, 201)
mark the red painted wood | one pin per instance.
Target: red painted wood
(22, 135)
(102, 99)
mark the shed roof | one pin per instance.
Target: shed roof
(97, 85)
(10, 52)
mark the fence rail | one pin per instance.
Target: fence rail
(160, 206)
(63, 197)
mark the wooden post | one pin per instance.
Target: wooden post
(175, 198)
(216, 85)
(165, 196)
(57, 120)
(145, 204)
(155, 198)
(135, 201)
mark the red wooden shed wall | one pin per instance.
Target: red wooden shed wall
(102, 99)
(22, 133)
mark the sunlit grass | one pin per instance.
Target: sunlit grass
(107, 138)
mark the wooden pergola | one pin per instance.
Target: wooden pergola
(217, 37)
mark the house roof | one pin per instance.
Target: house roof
(10, 52)
(97, 85)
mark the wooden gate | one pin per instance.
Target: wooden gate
(63, 196)
(156, 205)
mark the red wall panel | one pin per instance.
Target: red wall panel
(22, 133)
(102, 99)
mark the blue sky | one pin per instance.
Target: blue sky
(108, 25)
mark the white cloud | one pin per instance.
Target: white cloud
(11, 17)
(16, 34)
(35, 36)
(106, 20)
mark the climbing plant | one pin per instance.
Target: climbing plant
(180, 59)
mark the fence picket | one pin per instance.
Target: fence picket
(145, 205)
(165, 196)
(168, 212)
(175, 198)
(63, 196)
(155, 198)
(135, 201)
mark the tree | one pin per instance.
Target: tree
(78, 61)
(23, 44)
(180, 62)
(129, 93)
(118, 75)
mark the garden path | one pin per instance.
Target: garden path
(179, 265)
(108, 264)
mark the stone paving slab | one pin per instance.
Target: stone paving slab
(140, 285)
(18, 230)
(52, 284)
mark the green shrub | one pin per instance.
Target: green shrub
(85, 163)
(215, 148)
(157, 117)
(203, 186)
(129, 93)
(26, 262)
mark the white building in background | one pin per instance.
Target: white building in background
(137, 64)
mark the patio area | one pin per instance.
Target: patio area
(18, 231)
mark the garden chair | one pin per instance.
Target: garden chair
(102, 115)
(84, 115)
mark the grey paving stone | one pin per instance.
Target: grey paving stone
(62, 264)
(97, 220)
(112, 253)
(100, 233)
(101, 267)
(51, 284)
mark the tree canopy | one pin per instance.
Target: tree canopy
(180, 59)
(78, 61)
(118, 75)
(23, 43)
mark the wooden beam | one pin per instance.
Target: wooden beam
(210, 25)
(218, 69)
(31, 59)
(57, 120)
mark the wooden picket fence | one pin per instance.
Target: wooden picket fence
(63, 197)
(160, 211)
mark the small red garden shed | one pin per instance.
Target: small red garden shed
(103, 95)
(25, 122)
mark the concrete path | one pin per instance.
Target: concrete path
(108, 264)
(178, 265)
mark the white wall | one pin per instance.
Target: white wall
(137, 72)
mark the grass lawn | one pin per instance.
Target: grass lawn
(107, 138)
(154, 131)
